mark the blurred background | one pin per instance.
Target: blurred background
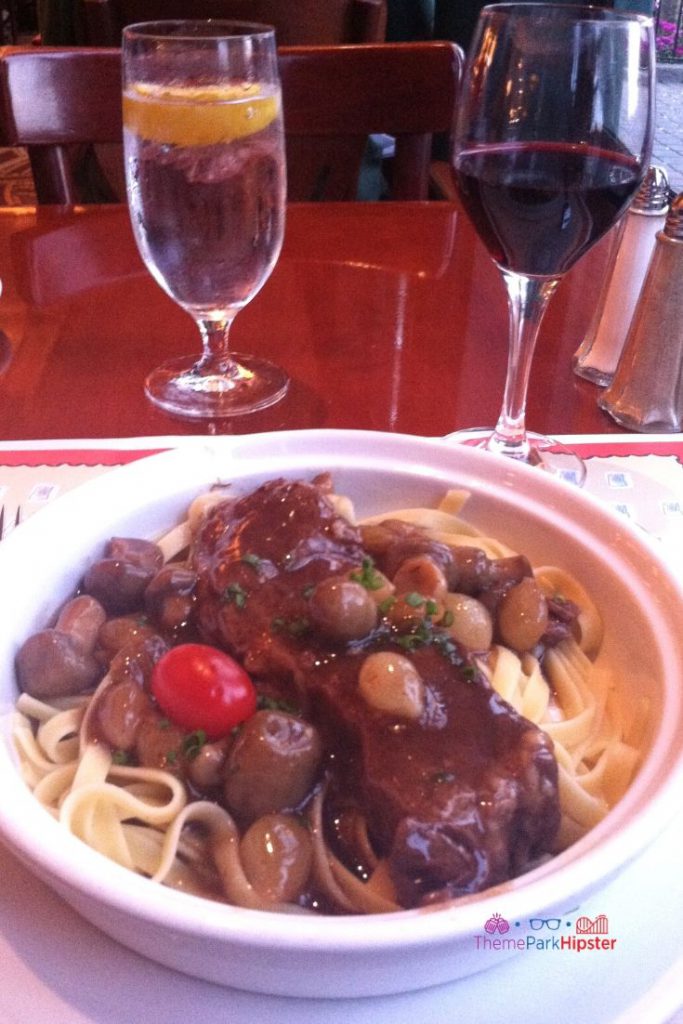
(58, 22)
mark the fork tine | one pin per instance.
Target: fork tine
(5, 527)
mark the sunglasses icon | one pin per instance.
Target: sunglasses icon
(553, 923)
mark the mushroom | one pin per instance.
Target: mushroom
(272, 764)
(59, 662)
(277, 856)
(53, 664)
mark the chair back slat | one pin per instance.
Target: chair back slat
(52, 171)
(334, 97)
(396, 88)
(54, 95)
(411, 159)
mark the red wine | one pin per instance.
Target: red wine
(539, 206)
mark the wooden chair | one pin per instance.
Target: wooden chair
(296, 22)
(334, 97)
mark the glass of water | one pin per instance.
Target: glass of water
(206, 184)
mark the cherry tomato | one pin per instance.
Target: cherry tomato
(200, 687)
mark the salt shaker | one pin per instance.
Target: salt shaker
(646, 393)
(597, 356)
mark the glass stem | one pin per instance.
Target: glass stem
(216, 359)
(528, 298)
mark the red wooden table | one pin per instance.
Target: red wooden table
(387, 316)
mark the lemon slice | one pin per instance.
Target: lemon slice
(184, 115)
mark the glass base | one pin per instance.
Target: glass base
(540, 451)
(179, 388)
(592, 373)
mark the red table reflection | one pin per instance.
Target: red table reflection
(387, 316)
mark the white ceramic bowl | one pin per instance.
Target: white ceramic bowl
(335, 957)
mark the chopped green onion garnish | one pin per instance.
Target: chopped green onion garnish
(193, 743)
(368, 576)
(235, 594)
(253, 560)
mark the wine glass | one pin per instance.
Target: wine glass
(205, 176)
(553, 139)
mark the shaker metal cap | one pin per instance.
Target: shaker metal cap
(654, 195)
(673, 226)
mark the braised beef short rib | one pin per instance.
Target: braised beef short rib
(458, 800)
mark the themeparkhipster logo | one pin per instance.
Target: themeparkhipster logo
(547, 933)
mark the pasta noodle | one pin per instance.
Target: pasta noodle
(142, 818)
